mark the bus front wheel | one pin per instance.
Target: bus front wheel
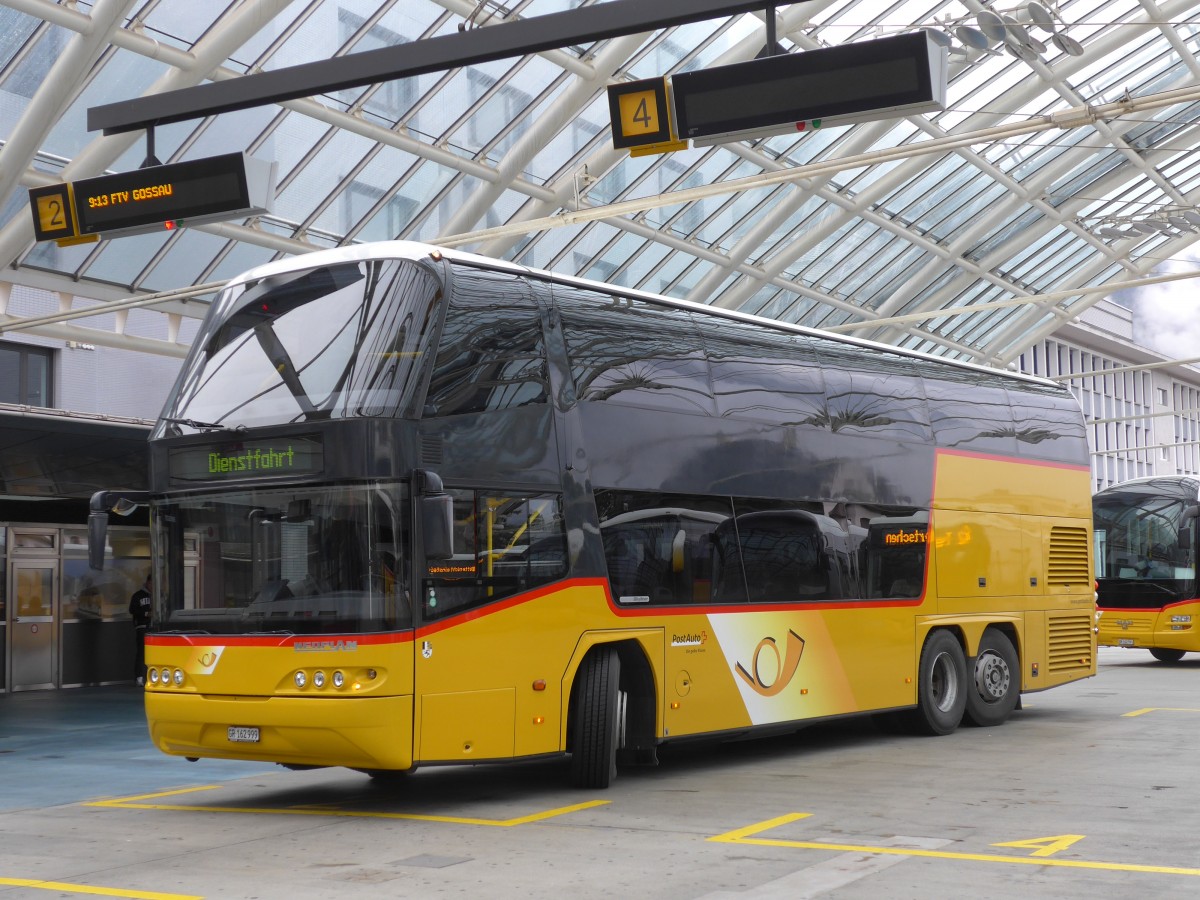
(1167, 656)
(995, 682)
(941, 685)
(596, 720)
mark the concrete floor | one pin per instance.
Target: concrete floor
(1089, 792)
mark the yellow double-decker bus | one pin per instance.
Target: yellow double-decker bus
(413, 507)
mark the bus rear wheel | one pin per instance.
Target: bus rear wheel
(596, 720)
(995, 682)
(1164, 655)
(941, 685)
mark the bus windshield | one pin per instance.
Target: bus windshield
(329, 342)
(299, 561)
(1144, 549)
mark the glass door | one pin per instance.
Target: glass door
(33, 603)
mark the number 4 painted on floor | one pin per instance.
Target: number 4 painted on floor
(1045, 846)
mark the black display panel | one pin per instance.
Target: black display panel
(854, 79)
(238, 460)
(179, 191)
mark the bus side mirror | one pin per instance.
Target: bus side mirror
(123, 503)
(1185, 528)
(437, 516)
(97, 538)
(437, 526)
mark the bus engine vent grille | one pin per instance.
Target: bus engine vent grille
(1070, 643)
(431, 449)
(1068, 562)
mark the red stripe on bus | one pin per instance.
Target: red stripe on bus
(273, 640)
(1016, 460)
(1148, 609)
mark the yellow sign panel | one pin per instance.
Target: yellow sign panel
(53, 212)
(640, 114)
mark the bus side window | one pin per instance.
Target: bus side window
(503, 544)
(658, 547)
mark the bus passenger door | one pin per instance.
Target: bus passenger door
(494, 636)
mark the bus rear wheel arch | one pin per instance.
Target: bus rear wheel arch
(993, 680)
(941, 685)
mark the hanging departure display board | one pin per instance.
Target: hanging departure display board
(156, 197)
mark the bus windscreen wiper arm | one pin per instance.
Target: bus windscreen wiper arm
(204, 426)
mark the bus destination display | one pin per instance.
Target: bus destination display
(263, 458)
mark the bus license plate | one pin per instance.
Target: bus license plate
(242, 735)
(1125, 642)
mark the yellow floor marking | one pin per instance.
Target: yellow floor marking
(136, 803)
(1047, 846)
(65, 887)
(1150, 709)
(746, 836)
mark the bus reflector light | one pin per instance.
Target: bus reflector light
(803, 691)
(674, 704)
(539, 684)
(538, 720)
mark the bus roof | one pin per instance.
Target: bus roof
(413, 250)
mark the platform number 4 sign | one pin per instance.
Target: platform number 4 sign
(640, 114)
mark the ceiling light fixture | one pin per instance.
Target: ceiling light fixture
(1010, 30)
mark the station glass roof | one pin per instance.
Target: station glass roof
(1065, 159)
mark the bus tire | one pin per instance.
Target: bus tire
(995, 680)
(1164, 655)
(941, 685)
(596, 720)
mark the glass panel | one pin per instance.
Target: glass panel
(795, 554)
(1148, 535)
(503, 544)
(629, 352)
(305, 561)
(88, 594)
(873, 392)
(10, 375)
(32, 540)
(764, 377)
(659, 547)
(260, 364)
(35, 592)
(491, 354)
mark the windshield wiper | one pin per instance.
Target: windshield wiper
(204, 426)
(184, 631)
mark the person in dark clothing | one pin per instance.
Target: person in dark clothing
(139, 609)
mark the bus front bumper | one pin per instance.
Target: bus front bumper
(357, 732)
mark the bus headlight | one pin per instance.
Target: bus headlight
(319, 679)
(178, 677)
(153, 676)
(301, 679)
(338, 679)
